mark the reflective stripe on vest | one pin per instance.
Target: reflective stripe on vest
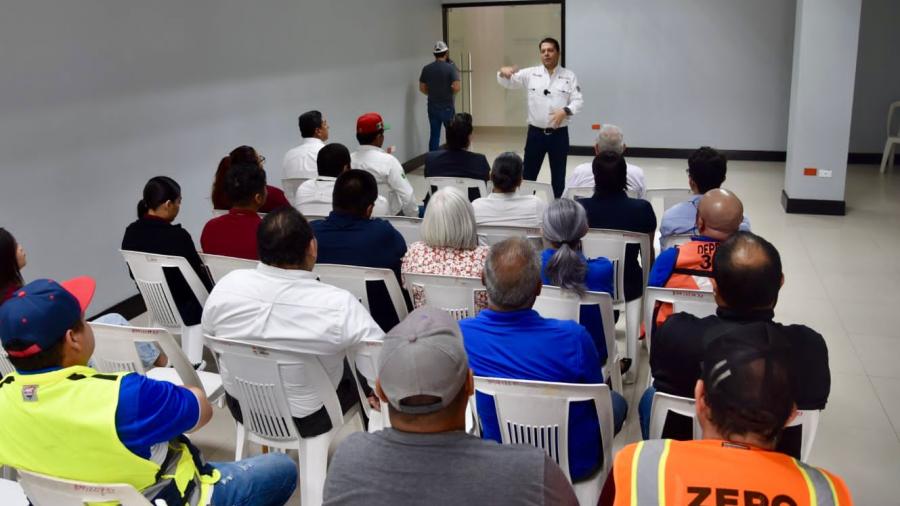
(821, 489)
(648, 472)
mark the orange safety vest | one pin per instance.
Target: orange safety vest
(713, 472)
(692, 271)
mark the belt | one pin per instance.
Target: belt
(548, 131)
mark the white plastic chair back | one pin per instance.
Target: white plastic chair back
(663, 198)
(809, 422)
(219, 265)
(578, 192)
(673, 240)
(353, 279)
(314, 210)
(6, 366)
(11, 494)
(290, 185)
(366, 358)
(598, 244)
(408, 227)
(147, 269)
(700, 303)
(461, 183)
(543, 191)
(488, 235)
(47, 491)
(663, 404)
(116, 351)
(893, 139)
(536, 413)
(454, 295)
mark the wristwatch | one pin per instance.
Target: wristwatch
(568, 111)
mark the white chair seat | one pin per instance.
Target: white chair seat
(11, 494)
(212, 382)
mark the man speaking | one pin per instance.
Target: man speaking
(553, 96)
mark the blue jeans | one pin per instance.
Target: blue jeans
(644, 406)
(264, 480)
(438, 115)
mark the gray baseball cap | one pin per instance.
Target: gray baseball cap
(423, 355)
(440, 47)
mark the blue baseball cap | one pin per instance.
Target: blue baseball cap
(38, 315)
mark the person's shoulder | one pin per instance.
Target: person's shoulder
(584, 167)
(807, 334)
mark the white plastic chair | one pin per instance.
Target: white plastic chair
(461, 183)
(667, 196)
(6, 366)
(290, 185)
(219, 265)
(48, 491)
(11, 494)
(536, 413)
(700, 303)
(116, 350)
(543, 191)
(893, 138)
(578, 192)
(353, 279)
(408, 227)
(366, 359)
(255, 372)
(147, 269)
(554, 302)
(673, 240)
(808, 420)
(488, 235)
(454, 295)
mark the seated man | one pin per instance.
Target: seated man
(504, 205)
(426, 457)
(234, 234)
(282, 303)
(300, 161)
(747, 275)
(350, 236)
(609, 138)
(743, 401)
(690, 265)
(456, 160)
(511, 340)
(389, 174)
(66, 420)
(314, 196)
(706, 171)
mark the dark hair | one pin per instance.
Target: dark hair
(610, 173)
(10, 276)
(239, 154)
(332, 159)
(506, 174)
(309, 122)
(551, 40)
(458, 131)
(51, 357)
(747, 284)
(157, 192)
(283, 237)
(366, 139)
(441, 55)
(243, 182)
(707, 167)
(354, 191)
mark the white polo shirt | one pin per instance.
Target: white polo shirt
(291, 309)
(390, 176)
(314, 197)
(546, 92)
(301, 160)
(583, 175)
(509, 209)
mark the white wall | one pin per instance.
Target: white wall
(97, 96)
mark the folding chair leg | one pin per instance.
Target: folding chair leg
(632, 329)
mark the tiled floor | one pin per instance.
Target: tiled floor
(840, 279)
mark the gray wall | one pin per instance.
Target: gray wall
(99, 95)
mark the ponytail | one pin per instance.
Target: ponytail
(566, 269)
(142, 208)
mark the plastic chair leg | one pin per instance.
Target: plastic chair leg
(240, 441)
(192, 342)
(632, 329)
(887, 158)
(313, 460)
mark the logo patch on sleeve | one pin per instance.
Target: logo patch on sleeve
(29, 393)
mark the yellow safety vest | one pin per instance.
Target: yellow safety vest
(63, 424)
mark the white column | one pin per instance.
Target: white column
(824, 68)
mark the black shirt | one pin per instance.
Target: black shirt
(457, 163)
(620, 212)
(154, 235)
(439, 77)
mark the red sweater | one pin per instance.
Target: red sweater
(232, 235)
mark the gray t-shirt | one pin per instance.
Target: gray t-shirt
(390, 467)
(438, 76)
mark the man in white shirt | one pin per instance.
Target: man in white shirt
(389, 174)
(314, 196)
(504, 206)
(301, 161)
(553, 96)
(283, 303)
(610, 138)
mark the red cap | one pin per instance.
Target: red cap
(370, 123)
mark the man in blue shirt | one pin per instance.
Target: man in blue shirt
(706, 171)
(350, 236)
(511, 340)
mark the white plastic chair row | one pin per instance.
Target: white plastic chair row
(353, 279)
(456, 295)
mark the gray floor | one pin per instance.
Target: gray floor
(841, 279)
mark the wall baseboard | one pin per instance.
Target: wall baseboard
(130, 308)
(732, 154)
(813, 206)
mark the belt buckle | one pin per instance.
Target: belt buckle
(548, 131)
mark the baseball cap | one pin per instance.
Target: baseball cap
(423, 355)
(440, 47)
(38, 315)
(370, 122)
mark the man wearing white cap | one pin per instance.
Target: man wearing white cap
(440, 81)
(424, 381)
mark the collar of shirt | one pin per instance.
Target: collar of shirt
(39, 371)
(518, 317)
(311, 141)
(243, 212)
(611, 196)
(344, 218)
(423, 439)
(278, 272)
(703, 238)
(755, 315)
(503, 196)
(325, 178)
(369, 147)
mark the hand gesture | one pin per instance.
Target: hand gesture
(507, 72)
(557, 117)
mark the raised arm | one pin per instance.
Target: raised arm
(511, 77)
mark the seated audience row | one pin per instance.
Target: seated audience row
(314, 196)
(504, 205)
(609, 138)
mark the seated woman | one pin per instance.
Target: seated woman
(154, 232)
(504, 206)
(234, 234)
(564, 265)
(244, 154)
(449, 245)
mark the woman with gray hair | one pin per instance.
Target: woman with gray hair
(504, 205)
(449, 245)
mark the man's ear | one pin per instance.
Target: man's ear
(700, 400)
(782, 280)
(538, 288)
(700, 224)
(378, 391)
(370, 210)
(470, 384)
(312, 254)
(596, 150)
(793, 415)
